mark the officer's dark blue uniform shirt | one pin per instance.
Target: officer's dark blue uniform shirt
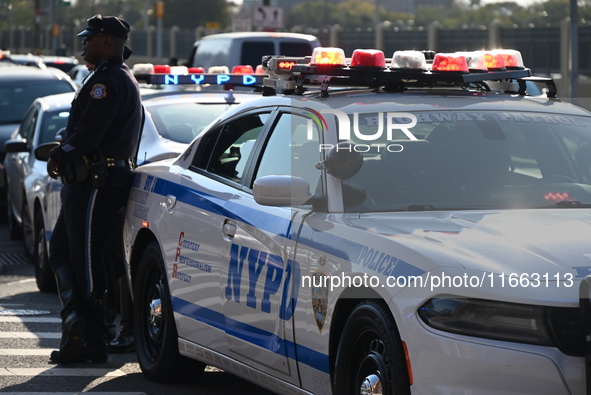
(104, 117)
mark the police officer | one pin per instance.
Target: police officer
(94, 161)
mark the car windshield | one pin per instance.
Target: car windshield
(15, 98)
(182, 122)
(473, 160)
(52, 123)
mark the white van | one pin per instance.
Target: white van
(248, 48)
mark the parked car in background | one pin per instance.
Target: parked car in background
(248, 48)
(78, 73)
(19, 87)
(63, 63)
(173, 119)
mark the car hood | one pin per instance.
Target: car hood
(530, 241)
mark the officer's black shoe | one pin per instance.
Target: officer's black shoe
(123, 343)
(90, 352)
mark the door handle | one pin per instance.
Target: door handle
(169, 203)
(229, 229)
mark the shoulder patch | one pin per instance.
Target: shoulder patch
(98, 91)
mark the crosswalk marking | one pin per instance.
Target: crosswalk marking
(51, 371)
(21, 319)
(26, 351)
(30, 335)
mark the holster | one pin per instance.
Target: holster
(74, 172)
(92, 168)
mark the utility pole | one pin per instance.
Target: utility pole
(574, 48)
(36, 32)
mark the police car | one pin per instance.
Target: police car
(418, 224)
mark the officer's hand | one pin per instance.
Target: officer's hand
(53, 169)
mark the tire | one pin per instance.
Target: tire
(28, 231)
(156, 337)
(43, 274)
(370, 350)
(15, 231)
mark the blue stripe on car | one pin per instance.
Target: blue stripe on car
(252, 334)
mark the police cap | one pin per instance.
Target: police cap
(110, 25)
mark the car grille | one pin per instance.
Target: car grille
(566, 330)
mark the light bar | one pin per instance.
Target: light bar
(162, 69)
(450, 62)
(409, 60)
(512, 58)
(476, 61)
(368, 58)
(242, 69)
(494, 61)
(218, 70)
(203, 79)
(328, 56)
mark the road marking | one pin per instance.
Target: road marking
(26, 351)
(21, 319)
(61, 372)
(30, 335)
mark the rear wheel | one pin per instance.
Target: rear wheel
(156, 337)
(370, 358)
(43, 274)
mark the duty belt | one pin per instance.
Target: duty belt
(112, 162)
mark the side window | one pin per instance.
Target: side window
(292, 149)
(231, 147)
(253, 52)
(28, 126)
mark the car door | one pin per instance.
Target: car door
(260, 277)
(17, 163)
(194, 224)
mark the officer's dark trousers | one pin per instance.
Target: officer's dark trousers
(83, 226)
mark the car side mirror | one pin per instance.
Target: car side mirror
(282, 190)
(42, 151)
(15, 146)
(343, 161)
(60, 135)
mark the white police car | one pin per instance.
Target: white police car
(412, 231)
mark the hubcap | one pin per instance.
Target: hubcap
(155, 317)
(371, 385)
(372, 370)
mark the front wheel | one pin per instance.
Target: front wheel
(370, 358)
(156, 338)
(43, 274)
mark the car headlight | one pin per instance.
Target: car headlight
(488, 319)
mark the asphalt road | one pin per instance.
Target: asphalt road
(30, 329)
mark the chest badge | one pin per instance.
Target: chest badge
(320, 298)
(98, 91)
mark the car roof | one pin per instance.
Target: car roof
(201, 97)
(235, 35)
(20, 73)
(369, 101)
(61, 101)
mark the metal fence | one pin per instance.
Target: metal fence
(540, 47)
